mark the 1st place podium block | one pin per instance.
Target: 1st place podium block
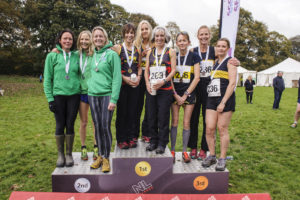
(139, 171)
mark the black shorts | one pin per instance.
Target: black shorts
(189, 100)
(213, 102)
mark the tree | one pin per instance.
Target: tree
(256, 47)
(174, 29)
(296, 46)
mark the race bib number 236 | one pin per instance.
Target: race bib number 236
(214, 89)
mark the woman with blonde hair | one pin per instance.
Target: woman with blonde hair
(103, 93)
(144, 44)
(208, 57)
(85, 50)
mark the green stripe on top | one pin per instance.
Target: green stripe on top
(55, 82)
(107, 80)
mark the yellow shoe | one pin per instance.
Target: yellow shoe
(105, 166)
(97, 163)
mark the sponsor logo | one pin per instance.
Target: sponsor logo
(82, 185)
(175, 198)
(232, 5)
(142, 168)
(142, 187)
(246, 198)
(200, 183)
(212, 198)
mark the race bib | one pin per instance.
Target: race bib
(158, 73)
(206, 67)
(185, 77)
(214, 88)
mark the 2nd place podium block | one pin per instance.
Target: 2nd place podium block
(138, 171)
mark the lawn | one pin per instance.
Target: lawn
(266, 150)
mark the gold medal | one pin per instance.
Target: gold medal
(129, 70)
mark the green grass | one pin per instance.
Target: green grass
(266, 151)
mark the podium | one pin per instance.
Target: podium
(139, 171)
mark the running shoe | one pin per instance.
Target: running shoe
(221, 165)
(105, 166)
(97, 163)
(173, 155)
(202, 155)
(146, 139)
(193, 154)
(185, 157)
(123, 145)
(95, 153)
(294, 125)
(135, 140)
(132, 144)
(84, 155)
(209, 161)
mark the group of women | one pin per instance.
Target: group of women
(102, 76)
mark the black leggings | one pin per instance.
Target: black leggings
(126, 120)
(141, 99)
(201, 100)
(66, 113)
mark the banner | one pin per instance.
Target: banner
(229, 19)
(107, 196)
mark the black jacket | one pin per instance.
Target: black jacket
(249, 85)
(278, 83)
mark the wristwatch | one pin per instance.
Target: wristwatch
(187, 93)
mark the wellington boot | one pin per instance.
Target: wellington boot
(105, 165)
(69, 148)
(60, 141)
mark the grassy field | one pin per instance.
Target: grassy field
(266, 150)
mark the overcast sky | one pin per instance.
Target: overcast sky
(282, 16)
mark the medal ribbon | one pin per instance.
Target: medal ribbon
(184, 61)
(67, 63)
(207, 53)
(101, 58)
(132, 55)
(161, 57)
(85, 63)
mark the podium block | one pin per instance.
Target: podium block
(139, 171)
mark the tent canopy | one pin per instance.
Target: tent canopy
(288, 65)
(290, 69)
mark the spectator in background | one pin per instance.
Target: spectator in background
(297, 113)
(249, 88)
(278, 84)
(41, 78)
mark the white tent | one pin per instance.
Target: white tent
(290, 69)
(243, 75)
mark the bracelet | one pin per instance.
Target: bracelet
(165, 81)
(174, 92)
